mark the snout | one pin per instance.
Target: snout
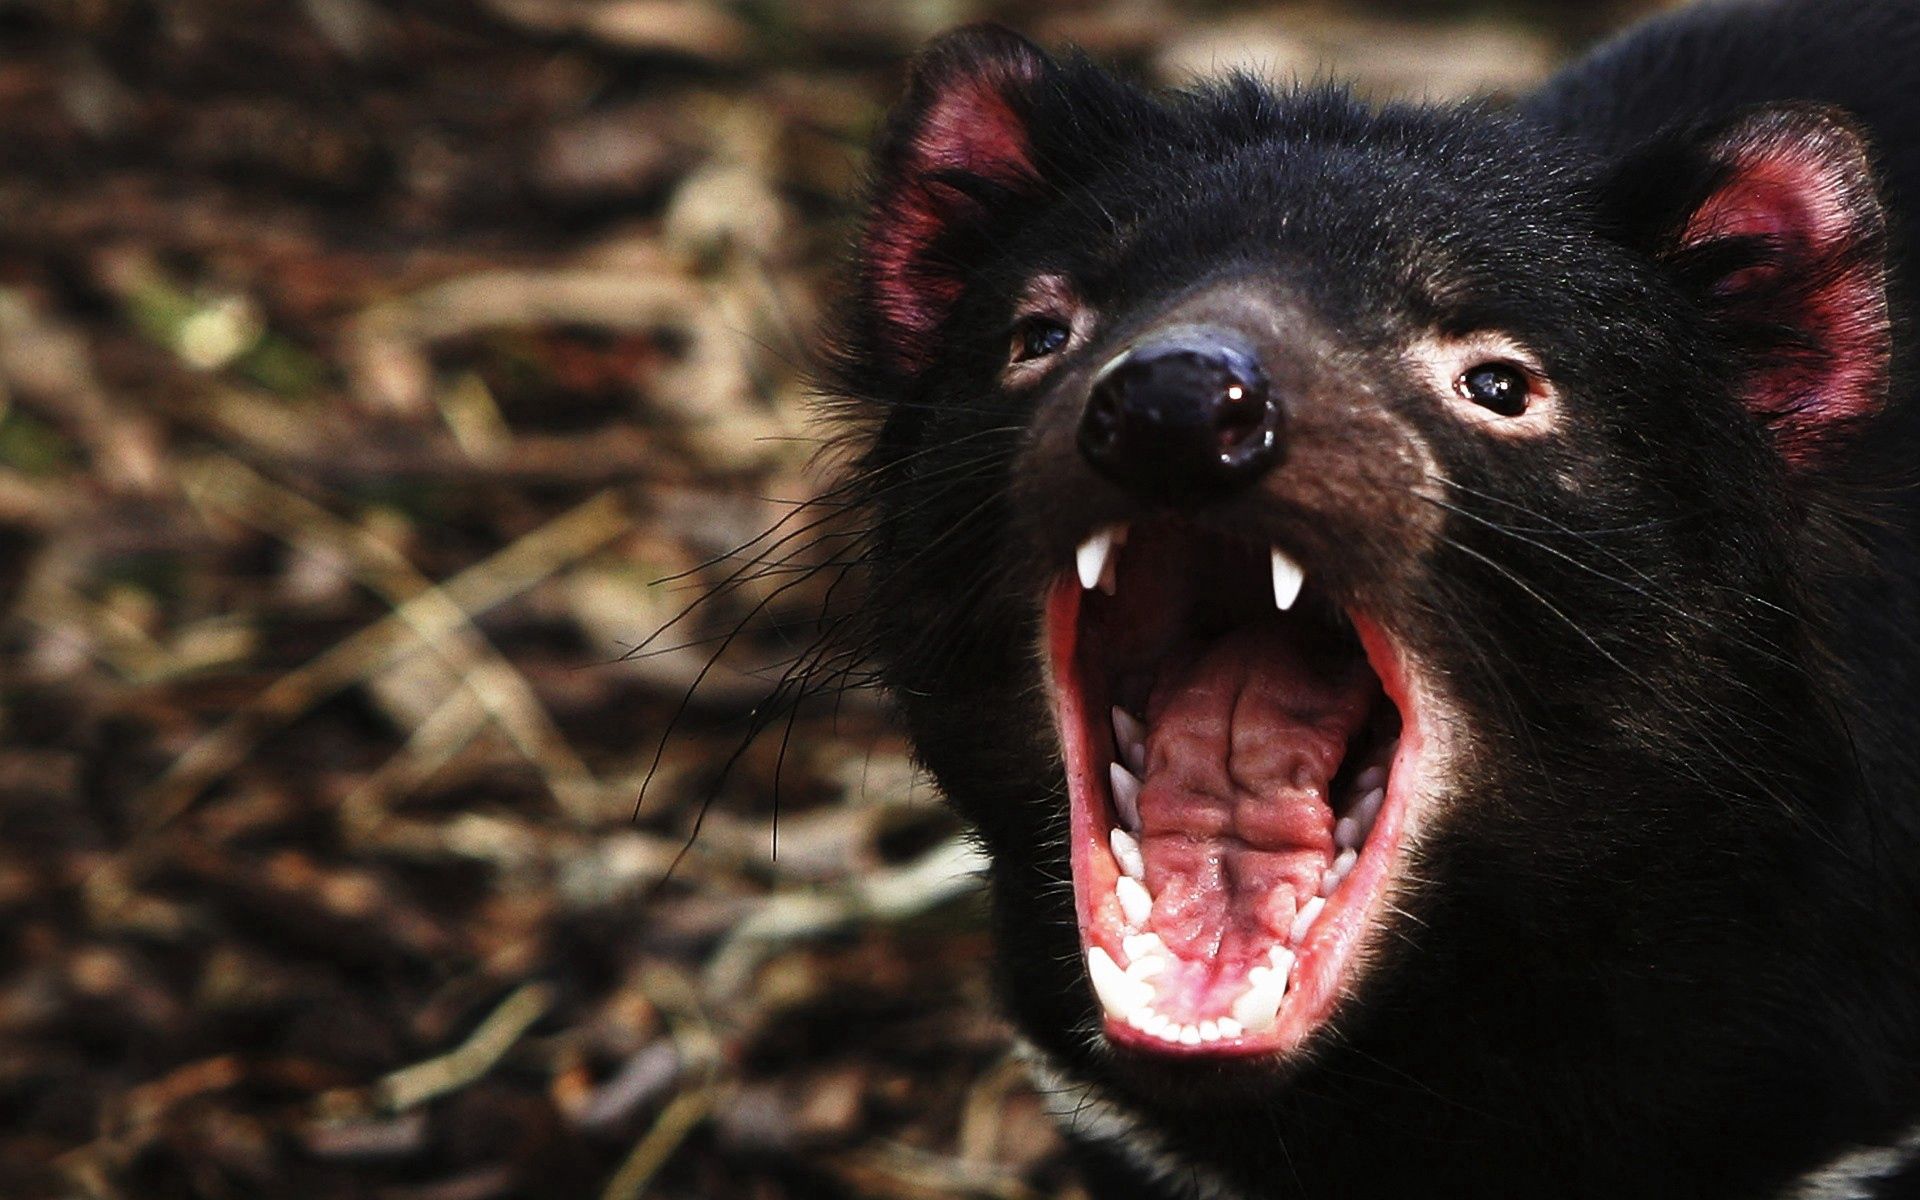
(1189, 413)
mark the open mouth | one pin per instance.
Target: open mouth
(1240, 758)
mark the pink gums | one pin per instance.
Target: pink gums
(1231, 840)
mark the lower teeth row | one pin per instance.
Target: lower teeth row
(1125, 993)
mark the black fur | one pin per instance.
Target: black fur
(1664, 941)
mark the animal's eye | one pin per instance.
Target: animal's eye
(1037, 337)
(1498, 387)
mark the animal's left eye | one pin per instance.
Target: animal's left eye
(1499, 387)
(1037, 337)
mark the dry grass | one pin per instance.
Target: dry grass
(363, 365)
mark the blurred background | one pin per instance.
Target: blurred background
(376, 378)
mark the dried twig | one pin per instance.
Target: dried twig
(443, 629)
(513, 570)
(415, 1085)
(947, 872)
(677, 1120)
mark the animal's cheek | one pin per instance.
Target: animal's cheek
(1563, 475)
(1362, 491)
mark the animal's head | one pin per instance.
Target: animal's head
(1351, 566)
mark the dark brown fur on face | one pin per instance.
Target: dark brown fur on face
(1653, 928)
(1355, 472)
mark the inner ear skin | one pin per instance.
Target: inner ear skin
(953, 157)
(1783, 242)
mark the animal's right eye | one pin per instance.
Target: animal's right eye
(1499, 387)
(1489, 378)
(1037, 337)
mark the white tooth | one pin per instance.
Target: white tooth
(1288, 578)
(1189, 1035)
(1144, 945)
(1343, 864)
(1259, 974)
(1258, 1008)
(1282, 959)
(1159, 1024)
(1367, 810)
(1126, 854)
(1126, 795)
(1136, 902)
(1230, 1028)
(1140, 1018)
(1119, 996)
(1347, 834)
(1209, 1031)
(1303, 920)
(1146, 967)
(1369, 779)
(1130, 738)
(1090, 560)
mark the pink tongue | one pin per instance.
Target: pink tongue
(1241, 744)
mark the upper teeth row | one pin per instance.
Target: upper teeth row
(1094, 562)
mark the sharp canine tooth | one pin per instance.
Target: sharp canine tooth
(1343, 864)
(1259, 1006)
(1303, 920)
(1126, 795)
(1130, 738)
(1282, 960)
(1136, 902)
(1229, 1028)
(1126, 854)
(1287, 580)
(1090, 560)
(1369, 779)
(1119, 995)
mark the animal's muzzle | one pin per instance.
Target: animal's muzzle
(1187, 414)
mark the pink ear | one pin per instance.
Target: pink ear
(959, 137)
(1794, 217)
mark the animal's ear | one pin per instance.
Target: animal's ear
(1773, 220)
(955, 155)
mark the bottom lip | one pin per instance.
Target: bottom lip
(1220, 925)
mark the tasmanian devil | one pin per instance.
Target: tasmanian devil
(1419, 604)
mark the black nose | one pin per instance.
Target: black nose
(1188, 414)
